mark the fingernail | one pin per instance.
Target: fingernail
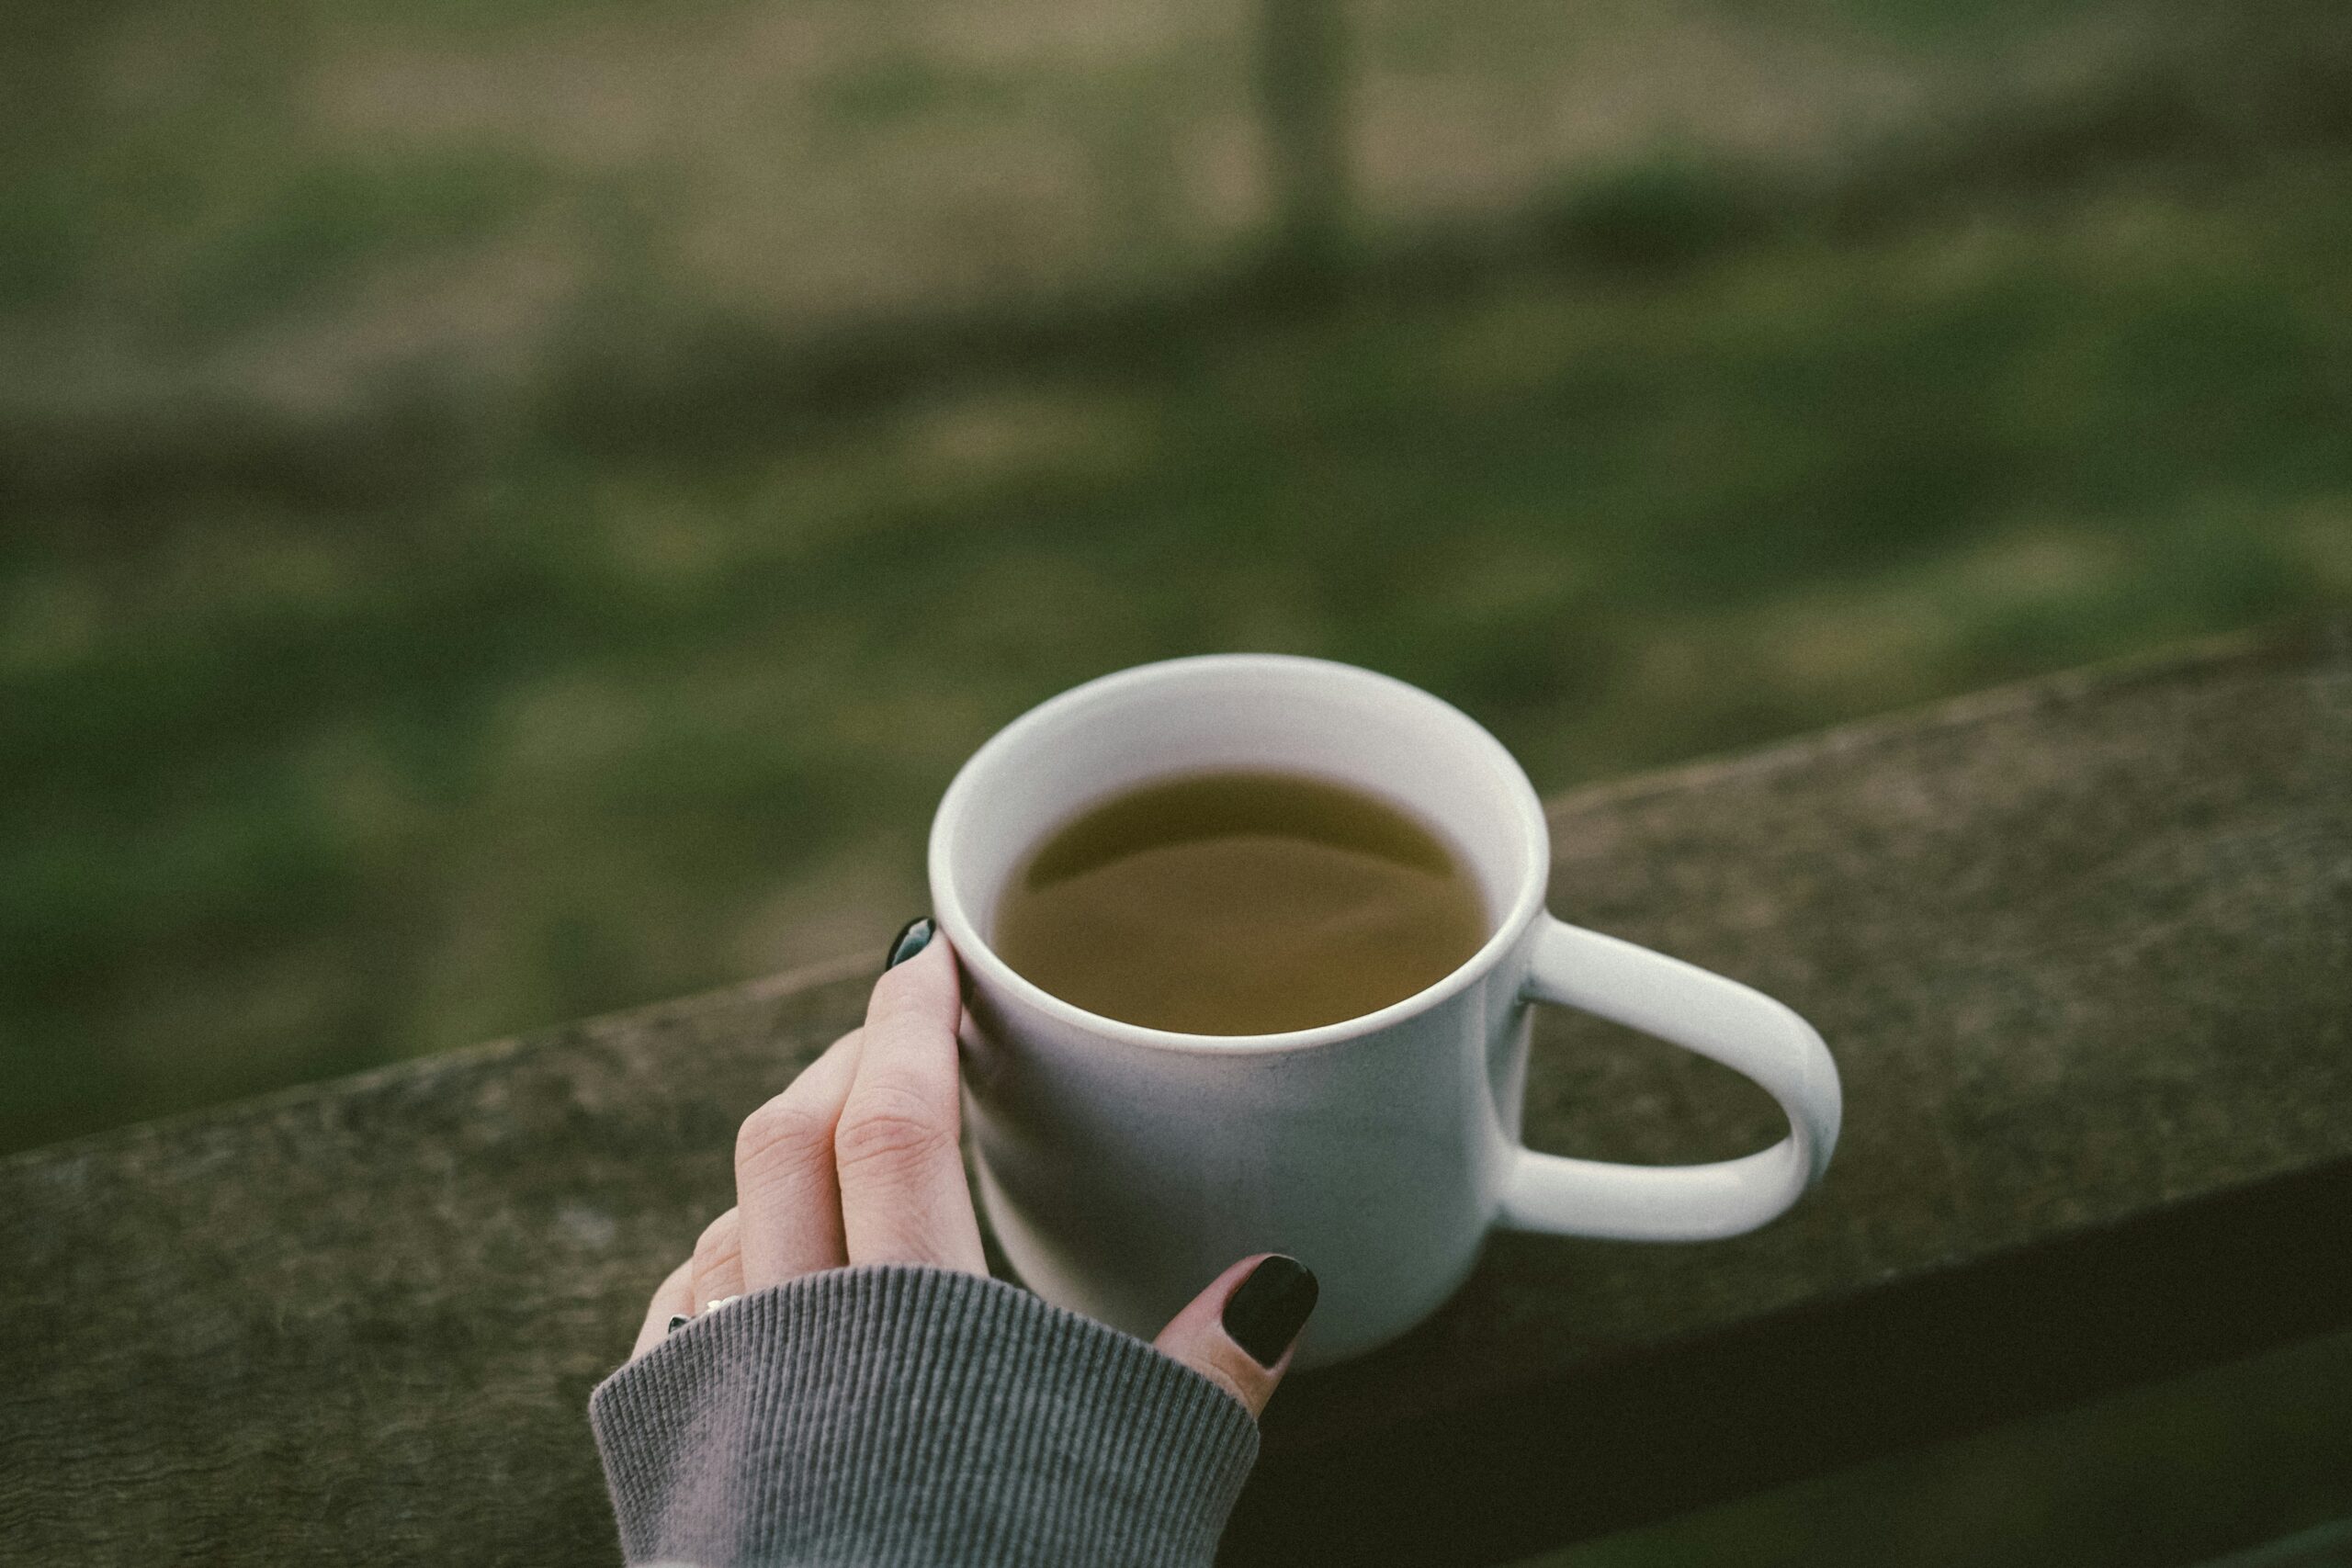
(913, 938)
(1267, 1310)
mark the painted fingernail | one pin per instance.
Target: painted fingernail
(913, 938)
(1267, 1310)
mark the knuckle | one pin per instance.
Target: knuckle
(890, 1132)
(785, 1132)
(720, 1240)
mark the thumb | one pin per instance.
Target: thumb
(1238, 1332)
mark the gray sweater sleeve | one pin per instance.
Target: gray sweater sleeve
(895, 1416)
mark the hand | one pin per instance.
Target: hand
(859, 1162)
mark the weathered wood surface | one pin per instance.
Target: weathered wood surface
(2084, 950)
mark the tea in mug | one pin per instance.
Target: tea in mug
(1239, 903)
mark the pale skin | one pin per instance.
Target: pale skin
(858, 1162)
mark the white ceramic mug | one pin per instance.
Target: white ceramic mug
(1122, 1168)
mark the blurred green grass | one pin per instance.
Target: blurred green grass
(295, 784)
(500, 523)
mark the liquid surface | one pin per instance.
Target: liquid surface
(1239, 903)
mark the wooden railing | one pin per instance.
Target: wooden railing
(2083, 948)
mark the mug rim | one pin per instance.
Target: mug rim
(975, 954)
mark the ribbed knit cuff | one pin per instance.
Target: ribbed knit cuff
(895, 1416)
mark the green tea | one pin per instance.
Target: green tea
(1239, 903)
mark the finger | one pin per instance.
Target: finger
(675, 1294)
(904, 1199)
(719, 1261)
(1239, 1332)
(785, 1186)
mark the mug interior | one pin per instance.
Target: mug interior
(1231, 711)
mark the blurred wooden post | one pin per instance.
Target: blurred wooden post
(1302, 71)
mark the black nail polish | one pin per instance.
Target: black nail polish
(913, 938)
(1267, 1310)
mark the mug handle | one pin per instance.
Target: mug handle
(1684, 1005)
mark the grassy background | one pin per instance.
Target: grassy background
(298, 781)
(465, 568)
